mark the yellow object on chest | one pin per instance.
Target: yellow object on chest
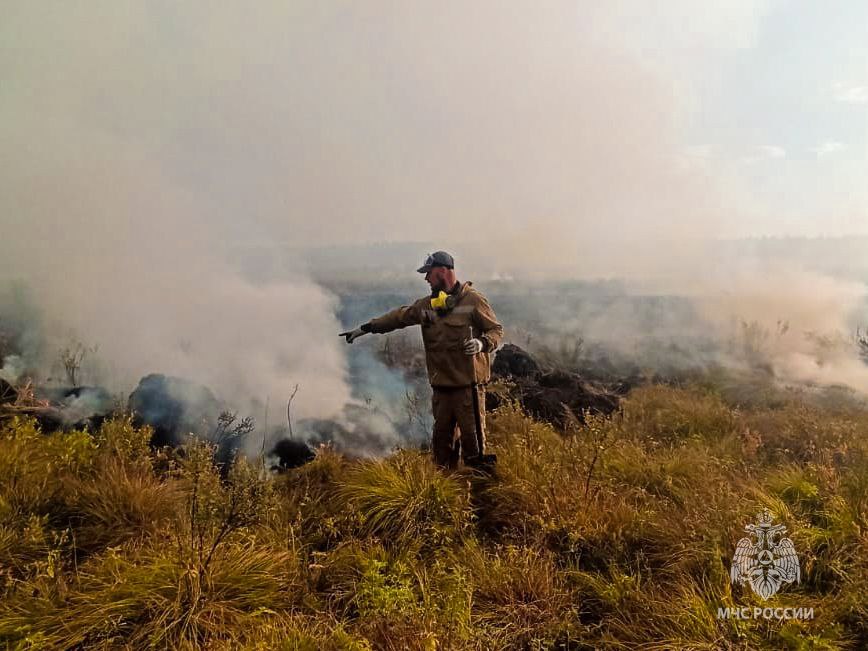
(441, 301)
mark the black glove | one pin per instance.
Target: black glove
(352, 335)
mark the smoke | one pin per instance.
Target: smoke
(113, 250)
(802, 322)
(545, 131)
(130, 264)
(84, 404)
(794, 324)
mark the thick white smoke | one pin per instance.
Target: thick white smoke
(802, 322)
(115, 252)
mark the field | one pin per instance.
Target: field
(616, 533)
(205, 206)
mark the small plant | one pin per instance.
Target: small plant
(417, 411)
(72, 356)
(288, 408)
(229, 427)
(565, 355)
(595, 435)
(214, 509)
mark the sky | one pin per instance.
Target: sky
(789, 116)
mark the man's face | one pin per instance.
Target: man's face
(435, 279)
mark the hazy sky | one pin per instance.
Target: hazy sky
(788, 115)
(340, 122)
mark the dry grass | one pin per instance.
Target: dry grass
(617, 534)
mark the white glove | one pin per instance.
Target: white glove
(352, 335)
(473, 346)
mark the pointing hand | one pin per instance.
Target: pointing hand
(352, 335)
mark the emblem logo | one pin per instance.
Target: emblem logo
(765, 559)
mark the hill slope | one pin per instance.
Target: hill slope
(615, 534)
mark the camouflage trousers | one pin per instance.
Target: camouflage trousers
(455, 424)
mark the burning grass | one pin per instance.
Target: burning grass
(617, 533)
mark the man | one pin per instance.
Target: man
(459, 331)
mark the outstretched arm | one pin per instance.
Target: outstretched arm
(401, 317)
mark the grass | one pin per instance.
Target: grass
(616, 534)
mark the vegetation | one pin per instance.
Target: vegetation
(617, 533)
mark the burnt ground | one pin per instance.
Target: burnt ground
(552, 395)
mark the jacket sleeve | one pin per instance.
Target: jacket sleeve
(402, 317)
(491, 331)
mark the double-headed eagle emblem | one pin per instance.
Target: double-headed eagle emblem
(769, 562)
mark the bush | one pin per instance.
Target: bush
(407, 502)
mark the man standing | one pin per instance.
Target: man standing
(460, 332)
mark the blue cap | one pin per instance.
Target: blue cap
(437, 259)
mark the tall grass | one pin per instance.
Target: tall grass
(617, 533)
(404, 500)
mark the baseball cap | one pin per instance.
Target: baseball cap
(437, 259)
